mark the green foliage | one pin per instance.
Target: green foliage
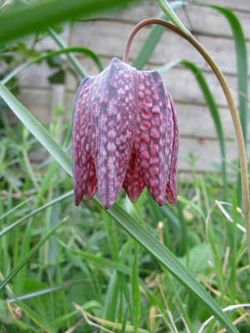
(21, 20)
(169, 12)
(241, 54)
(72, 269)
(153, 39)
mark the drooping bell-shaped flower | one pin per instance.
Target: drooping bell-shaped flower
(125, 135)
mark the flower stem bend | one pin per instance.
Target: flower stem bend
(230, 101)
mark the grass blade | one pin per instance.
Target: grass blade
(241, 62)
(213, 109)
(34, 212)
(135, 283)
(74, 62)
(69, 50)
(169, 12)
(36, 16)
(35, 127)
(29, 256)
(111, 297)
(149, 45)
(46, 291)
(152, 40)
(242, 69)
(100, 261)
(12, 210)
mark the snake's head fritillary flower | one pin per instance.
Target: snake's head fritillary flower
(125, 135)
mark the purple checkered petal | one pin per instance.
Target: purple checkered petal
(125, 134)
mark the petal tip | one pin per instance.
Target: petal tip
(107, 205)
(172, 198)
(77, 201)
(161, 202)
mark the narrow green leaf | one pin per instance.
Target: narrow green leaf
(168, 66)
(46, 291)
(100, 261)
(111, 297)
(169, 12)
(34, 212)
(24, 261)
(132, 226)
(241, 62)
(152, 40)
(213, 109)
(73, 60)
(112, 236)
(241, 53)
(135, 282)
(12, 210)
(37, 294)
(35, 127)
(121, 280)
(83, 50)
(38, 15)
(149, 45)
(124, 322)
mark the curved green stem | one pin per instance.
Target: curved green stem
(230, 101)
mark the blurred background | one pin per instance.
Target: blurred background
(107, 34)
